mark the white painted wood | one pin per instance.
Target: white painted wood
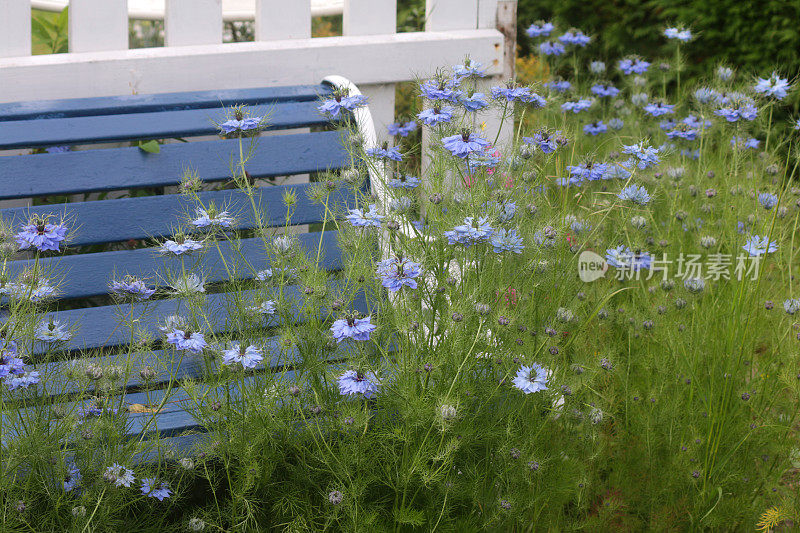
(15, 28)
(382, 106)
(369, 17)
(444, 15)
(373, 17)
(98, 25)
(189, 22)
(232, 10)
(369, 59)
(487, 14)
(279, 19)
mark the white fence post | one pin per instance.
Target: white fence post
(15, 28)
(374, 17)
(283, 19)
(188, 22)
(98, 25)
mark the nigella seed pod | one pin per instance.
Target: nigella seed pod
(147, 373)
(578, 369)
(566, 391)
(553, 350)
(602, 314)
(514, 453)
(87, 434)
(457, 317)
(393, 225)
(294, 390)
(196, 524)
(532, 209)
(768, 305)
(745, 396)
(451, 280)
(348, 421)
(315, 409)
(216, 406)
(79, 511)
(710, 174)
(309, 291)
(503, 321)
(94, 372)
(605, 364)
(680, 303)
(436, 198)
(661, 309)
(337, 304)
(695, 474)
(667, 284)
(533, 465)
(335, 497)
(351, 175)
(482, 309)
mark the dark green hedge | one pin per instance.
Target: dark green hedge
(757, 37)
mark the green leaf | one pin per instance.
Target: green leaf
(151, 147)
(410, 516)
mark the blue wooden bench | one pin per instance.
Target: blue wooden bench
(153, 214)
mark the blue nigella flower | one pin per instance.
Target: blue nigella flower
(774, 86)
(402, 181)
(193, 342)
(132, 288)
(617, 172)
(153, 489)
(540, 29)
(551, 48)
(436, 115)
(633, 65)
(471, 232)
(402, 129)
(470, 69)
(635, 194)
(742, 143)
(658, 109)
(576, 37)
(724, 73)
(588, 170)
(441, 89)
(504, 240)
(622, 257)
(464, 144)
(357, 217)
(595, 128)
(352, 328)
(558, 86)
(384, 152)
(248, 357)
(683, 36)
(353, 382)
(738, 108)
(604, 90)
(42, 235)
(757, 245)
(243, 124)
(119, 475)
(22, 380)
(513, 94)
(577, 106)
(531, 378)
(341, 102)
(181, 245)
(72, 479)
(204, 219)
(544, 141)
(767, 200)
(475, 103)
(395, 273)
(52, 331)
(797, 124)
(646, 156)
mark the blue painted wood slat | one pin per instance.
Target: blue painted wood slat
(130, 168)
(145, 217)
(146, 103)
(85, 275)
(155, 125)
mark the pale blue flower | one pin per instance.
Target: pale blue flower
(531, 378)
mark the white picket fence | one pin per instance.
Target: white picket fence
(370, 53)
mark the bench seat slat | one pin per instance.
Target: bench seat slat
(155, 125)
(145, 103)
(100, 326)
(86, 275)
(192, 366)
(156, 216)
(129, 168)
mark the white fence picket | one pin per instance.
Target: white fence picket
(15, 28)
(443, 15)
(282, 19)
(374, 17)
(98, 25)
(189, 22)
